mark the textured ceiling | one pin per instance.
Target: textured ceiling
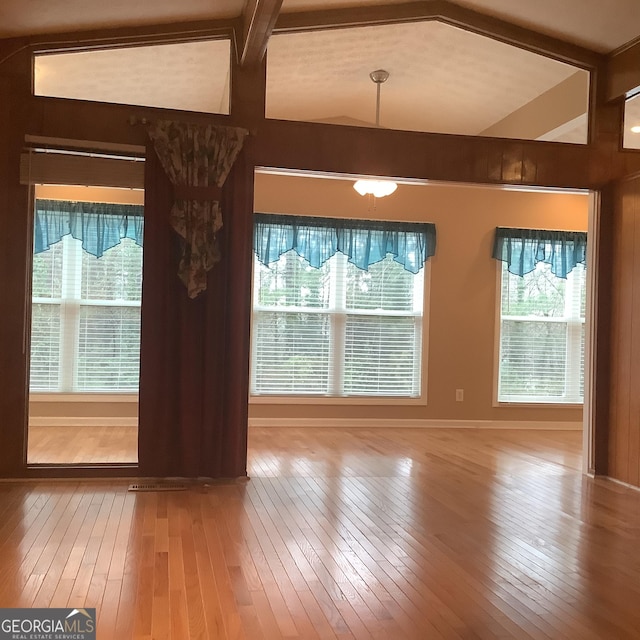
(190, 76)
(25, 17)
(442, 79)
(602, 25)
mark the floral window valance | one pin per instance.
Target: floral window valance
(197, 160)
(522, 249)
(364, 242)
(100, 226)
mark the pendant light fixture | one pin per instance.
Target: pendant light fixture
(377, 188)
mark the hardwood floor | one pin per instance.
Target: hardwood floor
(399, 534)
(82, 445)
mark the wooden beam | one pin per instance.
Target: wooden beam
(443, 11)
(259, 18)
(361, 150)
(435, 156)
(623, 72)
(248, 93)
(100, 121)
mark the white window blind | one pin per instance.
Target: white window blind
(85, 333)
(336, 330)
(542, 336)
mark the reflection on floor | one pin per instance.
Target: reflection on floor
(82, 445)
(440, 534)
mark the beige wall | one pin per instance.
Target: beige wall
(461, 323)
(551, 111)
(90, 194)
(463, 283)
(43, 411)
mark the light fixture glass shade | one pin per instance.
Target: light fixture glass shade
(377, 188)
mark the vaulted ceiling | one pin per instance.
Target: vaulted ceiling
(443, 79)
(601, 25)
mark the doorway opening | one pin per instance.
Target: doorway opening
(86, 285)
(461, 339)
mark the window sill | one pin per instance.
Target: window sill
(82, 397)
(529, 404)
(335, 400)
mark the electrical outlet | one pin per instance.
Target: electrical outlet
(459, 395)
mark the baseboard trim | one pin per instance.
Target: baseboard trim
(79, 421)
(373, 423)
(622, 483)
(335, 423)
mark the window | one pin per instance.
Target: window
(336, 330)
(542, 336)
(631, 139)
(190, 76)
(85, 315)
(529, 96)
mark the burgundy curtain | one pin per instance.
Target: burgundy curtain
(194, 369)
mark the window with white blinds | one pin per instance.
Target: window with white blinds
(541, 356)
(336, 330)
(85, 333)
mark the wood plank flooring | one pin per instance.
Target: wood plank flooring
(349, 534)
(82, 445)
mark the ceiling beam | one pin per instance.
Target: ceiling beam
(446, 12)
(436, 156)
(623, 72)
(362, 150)
(258, 19)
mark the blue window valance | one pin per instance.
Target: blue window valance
(522, 249)
(364, 242)
(100, 226)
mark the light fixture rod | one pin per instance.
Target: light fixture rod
(378, 76)
(376, 188)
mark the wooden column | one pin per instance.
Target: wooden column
(624, 411)
(15, 269)
(601, 315)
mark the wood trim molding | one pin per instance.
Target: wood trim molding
(83, 421)
(443, 11)
(621, 483)
(96, 39)
(376, 423)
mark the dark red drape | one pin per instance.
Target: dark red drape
(194, 353)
